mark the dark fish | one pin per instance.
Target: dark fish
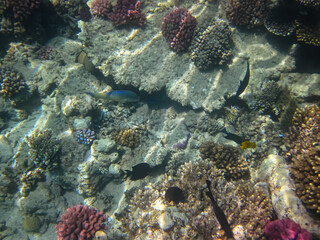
(233, 137)
(244, 83)
(139, 171)
(219, 213)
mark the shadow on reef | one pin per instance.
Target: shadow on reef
(308, 59)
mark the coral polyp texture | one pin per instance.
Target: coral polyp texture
(128, 12)
(127, 137)
(226, 158)
(22, 9)
(247, 13)
(11, 83)
(212, 45)
(85, 136)
(80, 222)
(151, 216)
(178, 28)
(304, 155)
(308, 32)
(285, 229)
(44, 149)
(100, 8)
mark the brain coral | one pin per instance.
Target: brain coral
(177, 28)
(80, 222)
(245, 205)
(248, 13)
(211, 45)
(304, 154)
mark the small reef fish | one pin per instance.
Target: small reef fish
(221, 217)
(121, 96)
(233, 137)
(139, 171)
(248, 144)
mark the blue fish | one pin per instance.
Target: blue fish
(121, 96)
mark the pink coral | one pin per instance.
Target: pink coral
(100, 8)
(178, 27)
(128, 12)
(285, 229)
(22, 8)
(80, 223)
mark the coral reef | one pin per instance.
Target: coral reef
(309, 3)
(303, 153)
(308, 32)
(127, 137)
(128, 12)
(285, 229)
(150, 216)
(85, 136)
(80, 222)
(11, 82)
(226, 158)
(44, 149)
(46, 53)
(177, 28)
(100, 8)
(211, 45)
(29, 180)
(22, 9)
(247, 13)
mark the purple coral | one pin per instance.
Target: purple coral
(85, 136)
(178, 27)
(183, 144)
(100, 8)
(22, 8)
(127, 12)
(285, 229)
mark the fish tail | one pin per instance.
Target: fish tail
(96, 95)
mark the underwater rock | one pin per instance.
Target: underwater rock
(165, 221)
(31, 223)
(104, 145)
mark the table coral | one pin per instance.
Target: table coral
(80, 222)
(177, 28)
(212, 45)
(127, 12)
(303, 153)
(247, 13)
(308, 32)
(22, 9)
(44, 149)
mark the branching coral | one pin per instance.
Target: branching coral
(44, 149)
(80, 222)
(212, 45)
(304, 154)
(127, 137)
(12, 82)
(100, 8)
(22, 9)
(177, 28)
(30, 179)
(227, 158)
(248, 13)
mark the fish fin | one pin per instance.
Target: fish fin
(128, 173)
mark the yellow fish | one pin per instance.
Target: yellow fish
(247, 144)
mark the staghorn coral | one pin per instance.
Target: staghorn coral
(100, 8)
(226, 158)
(126, 137)
(128, 12)
(22, 9)
(211, 45)
(80, 222)
(85, 136)
(12, 83)
(150, 216)
(247, 13)
(44, 149)
(29, 180)
(177, 28)
(303, 152)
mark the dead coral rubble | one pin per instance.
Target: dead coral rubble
(304, 155)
